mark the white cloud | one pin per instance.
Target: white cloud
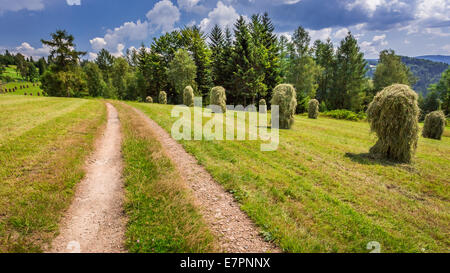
(222, 15)
(164, 15)
(372, 48)
(191, 23)
(437, 32)
(446, 48)
(27, 50)
(321, 34)
(289, 2)
(191, 6)
(279, 2)
(368, 5)
(114, 39)
(380, 38)
(187, 4)
(433, 9)
(92, 56)
(342, 33)
(98, 43)
(16, 5)
(360, 26)
(73, 2)
(119, 50)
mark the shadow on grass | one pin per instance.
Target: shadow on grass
(368, 159)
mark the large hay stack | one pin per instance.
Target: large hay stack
(393, 116)
(285, 97)
(434, 125)
(218, 97)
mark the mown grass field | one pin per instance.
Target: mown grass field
(319, 192)
(161, 213)
(30, 90)
(43, 146)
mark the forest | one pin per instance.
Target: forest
(248, 60)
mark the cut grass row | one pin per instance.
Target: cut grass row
(11, 72)
(161, 212)
(319, 192)
(43, 146)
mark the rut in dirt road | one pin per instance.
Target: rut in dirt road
(235, 231)
(95, 222)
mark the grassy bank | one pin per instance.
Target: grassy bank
(43, 146)
(319, 192)
(162, 216)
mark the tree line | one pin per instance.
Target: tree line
(248, 60)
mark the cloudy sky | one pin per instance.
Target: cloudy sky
(410, 27)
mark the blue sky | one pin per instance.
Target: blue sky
(410, 27)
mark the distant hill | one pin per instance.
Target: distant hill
(426, 71)
(436, 58)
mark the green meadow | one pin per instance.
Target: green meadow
(320, 192)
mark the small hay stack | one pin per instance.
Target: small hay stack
(434, 125)
(262, 106)
(188, 96)
(313, 109)
(162, 98)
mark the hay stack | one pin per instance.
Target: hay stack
(285, 97)
(434, 125)
(313, 109)
(393, 116)
(149, 99)
(188, 96)
(262, 106)
(218, 97)
(162, 98)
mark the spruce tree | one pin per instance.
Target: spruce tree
(105, 62)
(349, 76)
(194, 41)
(241, 61)
(324, 56)
(273, 69)
(259, 60)
(283, 50)
(227, 61)
(303, 71)
(217, 44)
